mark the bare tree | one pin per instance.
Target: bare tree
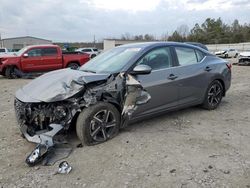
(183, 30)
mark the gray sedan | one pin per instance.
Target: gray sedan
(127, 83)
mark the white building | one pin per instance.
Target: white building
(20, 42)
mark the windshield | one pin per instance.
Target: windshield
(20, 52)
(111, 61)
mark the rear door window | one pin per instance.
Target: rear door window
(199, 55)
(186, 56)
(49, 51)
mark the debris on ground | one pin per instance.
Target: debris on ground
(172, 171)
(64, 168)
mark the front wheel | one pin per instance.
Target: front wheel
(98, 123)
(11, 73)
(213, 95)
(74, 66)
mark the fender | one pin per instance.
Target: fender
(11, 61)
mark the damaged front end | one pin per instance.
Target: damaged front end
(44, 109)
(40, 122)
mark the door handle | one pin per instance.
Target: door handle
(172, 77)
(208, 69)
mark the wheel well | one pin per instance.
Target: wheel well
(73, 62)
(116, 106)
(4, 69)
(74, 119)
(223, 85)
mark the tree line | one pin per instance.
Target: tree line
(211, 31)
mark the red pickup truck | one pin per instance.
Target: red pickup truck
(39, 58)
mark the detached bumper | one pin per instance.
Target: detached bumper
(43, 138)
(44, 143)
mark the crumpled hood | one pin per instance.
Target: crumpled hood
(57, 85)
(245, 54)
(220, 52)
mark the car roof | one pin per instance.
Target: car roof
(198, 44)
(42, 45)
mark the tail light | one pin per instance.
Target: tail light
(229, 66)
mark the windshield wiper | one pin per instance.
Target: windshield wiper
(88, 71)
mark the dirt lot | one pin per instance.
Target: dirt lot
(188, 148)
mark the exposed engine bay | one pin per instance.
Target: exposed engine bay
(40, 119)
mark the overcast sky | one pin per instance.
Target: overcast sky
(80, 20)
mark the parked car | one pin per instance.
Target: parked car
(39, 58)
(3, 51)
(127, 83)
(91, 51)
(244, 58)
(227, 53)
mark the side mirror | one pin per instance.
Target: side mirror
(25, 55)
(141, 69)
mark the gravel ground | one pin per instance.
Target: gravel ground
(188, 148)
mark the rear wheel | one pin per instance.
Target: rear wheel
(74, 66)
(92, 56)
(226, 55)
(213, 96)
(10, 73)
(98, 123)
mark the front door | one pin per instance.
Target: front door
(159, 83)
(32, 62)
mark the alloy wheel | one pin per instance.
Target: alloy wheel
(214, 95)
(103, 125)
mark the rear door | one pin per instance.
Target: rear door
(32, 62)
(51, 59)
(192, 75)
(159, 84)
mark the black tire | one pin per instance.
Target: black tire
(236, 55)
(91, 127)
(10, 73)
(92, 56)
(74, 66)
(226, 55)
(213, 96)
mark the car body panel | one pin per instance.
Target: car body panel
(163, 92)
